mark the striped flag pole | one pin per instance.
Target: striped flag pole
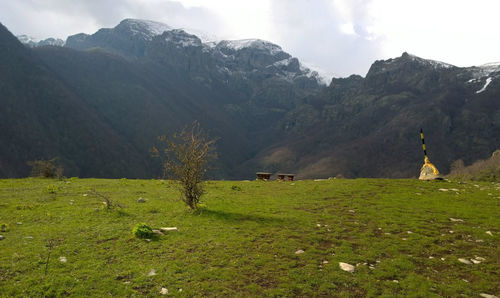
(423, 142)
(427, 163)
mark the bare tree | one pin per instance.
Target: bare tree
(185, 158)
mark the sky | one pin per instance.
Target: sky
(336, 37)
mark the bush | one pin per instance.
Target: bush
(481, 170)
(46, 168)
(4, 227)
(142, 231)
(186, 157)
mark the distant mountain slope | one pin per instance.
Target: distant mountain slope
(41, 117)
(369, 126)
(168, 84)
(34, 42)
(100, 101)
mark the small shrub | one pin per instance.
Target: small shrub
(142, 231)
(236, 188)
(46, 168)
(52, 189)
(108, 203)
(4, 227)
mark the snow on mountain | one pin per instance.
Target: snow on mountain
(35, 42)
(486, 69)
(146, 28)
(182, 38)
(238, 45)
(27, 39)
(433, 63)
(488, 81)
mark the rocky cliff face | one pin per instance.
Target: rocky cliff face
(369, 126)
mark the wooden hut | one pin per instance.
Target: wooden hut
(285, 177)
(263, 176)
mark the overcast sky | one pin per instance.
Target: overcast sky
(339, 37)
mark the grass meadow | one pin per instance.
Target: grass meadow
(404, 238)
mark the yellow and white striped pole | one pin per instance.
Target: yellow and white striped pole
(427, 163)
(423, 143)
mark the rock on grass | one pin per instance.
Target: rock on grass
(346, 267)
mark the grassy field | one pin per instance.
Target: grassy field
(244, 240)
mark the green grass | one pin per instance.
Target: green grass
(243, 241)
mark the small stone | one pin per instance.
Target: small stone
(489, 233)
(147, 240)
(443, 189)
(480, 259)
(487, 295)
(409, 232)
(346, 267)
(352, 211)
(19, 223)
(85, 195)
(63, 259)
(453, 189)
(404, 239)
(164, 291)
(456, 219)
(28, 237)
(298, 252)
(141, 200)
(431, 257)
(325, 262)
(152, 272)
(169, 229)
(464, 280)
(465, 261)
(451, 232)
(442, 259)
(479, 240)
(395, 281)
(475, 261)
(1, 237)
(158, 232)
(180, 290)
(387, 233)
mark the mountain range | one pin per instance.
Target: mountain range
(98, 102)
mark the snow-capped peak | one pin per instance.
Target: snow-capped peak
(27, 39)
(145, 27)
(490, 67)
(433, 63)
(252, 43)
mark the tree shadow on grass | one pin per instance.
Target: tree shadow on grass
(235, 217)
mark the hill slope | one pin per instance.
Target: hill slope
(369, 126)
(128, 84)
